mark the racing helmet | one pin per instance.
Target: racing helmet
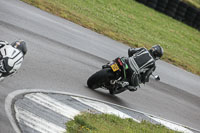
(156, 51)
(20, 45)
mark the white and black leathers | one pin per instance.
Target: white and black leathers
(10, 59)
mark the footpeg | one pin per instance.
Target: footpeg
(123, 83)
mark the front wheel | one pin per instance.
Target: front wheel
(100, 78)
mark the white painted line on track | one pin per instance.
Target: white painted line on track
(172, 126)
(37, 123)
(10, 100)
(53, 105)
(104, 108)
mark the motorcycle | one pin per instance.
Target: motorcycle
(111, 75)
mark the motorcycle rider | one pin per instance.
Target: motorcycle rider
(141, 64)
(11, 57)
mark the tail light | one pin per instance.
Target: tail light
(120, 62)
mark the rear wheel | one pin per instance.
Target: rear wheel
(100, 78)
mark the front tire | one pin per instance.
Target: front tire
(99, 78)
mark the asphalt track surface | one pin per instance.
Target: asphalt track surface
(62, 55)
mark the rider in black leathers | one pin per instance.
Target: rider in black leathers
(141, 64)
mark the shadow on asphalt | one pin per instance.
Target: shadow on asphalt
(106, 96)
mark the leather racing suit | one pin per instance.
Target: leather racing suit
(141, 65)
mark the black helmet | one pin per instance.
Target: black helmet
(156, 51)
(21, 45)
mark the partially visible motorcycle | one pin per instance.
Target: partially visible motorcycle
(111, 75)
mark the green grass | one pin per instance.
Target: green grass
(104, 123)
(133, 24)
(195, 3)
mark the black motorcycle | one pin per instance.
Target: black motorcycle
(111, 75)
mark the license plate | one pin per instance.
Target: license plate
(114, 67)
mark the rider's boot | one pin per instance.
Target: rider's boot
(122, 84)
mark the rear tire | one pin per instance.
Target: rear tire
(99, 78)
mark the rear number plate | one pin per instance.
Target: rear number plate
(114, 67)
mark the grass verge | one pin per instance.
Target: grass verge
(104, 123)
(195, 3)
(134, 24)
